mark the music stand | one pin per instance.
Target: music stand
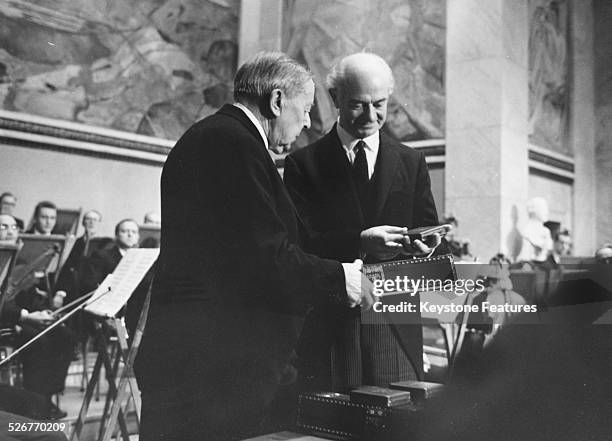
(109, 299)
(34, 245)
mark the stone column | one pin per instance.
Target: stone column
(486, 171)
(601, 188)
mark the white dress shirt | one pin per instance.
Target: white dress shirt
(349, 142)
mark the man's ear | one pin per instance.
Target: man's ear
(334, 96)
(276, 102)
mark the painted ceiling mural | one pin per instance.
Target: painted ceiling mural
(409, 34)
(548, 74)
(149, 66)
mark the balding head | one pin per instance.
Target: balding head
(604, 253)
(152, 218)
(360, 85)
(352, 67)
(91, 221)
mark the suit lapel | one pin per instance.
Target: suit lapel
(335, 169)
(234, 112)
(384, 174)
(238, 114)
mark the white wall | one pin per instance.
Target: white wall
(116, 188)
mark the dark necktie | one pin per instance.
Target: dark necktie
(360, 164)
(360, 171)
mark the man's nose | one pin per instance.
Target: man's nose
(370, 112)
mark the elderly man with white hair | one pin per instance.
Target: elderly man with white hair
(359, 191)
(231, 279)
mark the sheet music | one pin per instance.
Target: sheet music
(126, 277)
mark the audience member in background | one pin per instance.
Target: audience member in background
(45, 364)
(103, 262)
(537, 241)
(45, 217)
(458, 247)
(499, 291)
(8, 202)
(563, 243)
(152, 218)
(562, 246)
(604, 254)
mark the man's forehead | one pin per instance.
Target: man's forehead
(128, 226)
(7, 220)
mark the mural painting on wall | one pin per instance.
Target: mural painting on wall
(149, 66)
(408, 34)
(548, 74)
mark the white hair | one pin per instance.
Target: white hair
(266, 71)
(360, 60)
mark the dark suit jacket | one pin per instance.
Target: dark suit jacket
(69, 278)
(319, 182)
(100, 264)
(230, 278)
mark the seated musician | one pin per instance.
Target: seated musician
(84, 246)
(68, 282)
(103, 262)
(9, 230)
(604, 254)
(28, 309)
(45, 217)
(8, 202)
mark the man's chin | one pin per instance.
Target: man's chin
(280, 149)
(366, 131)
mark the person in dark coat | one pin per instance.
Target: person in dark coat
(359, 191)
(232, 283)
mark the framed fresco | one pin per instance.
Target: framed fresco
(149, 67)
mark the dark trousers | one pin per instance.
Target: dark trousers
(222, 413)
(22, 402)
(46, 362)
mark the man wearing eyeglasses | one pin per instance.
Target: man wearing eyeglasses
(45, 364)
(9, 230)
